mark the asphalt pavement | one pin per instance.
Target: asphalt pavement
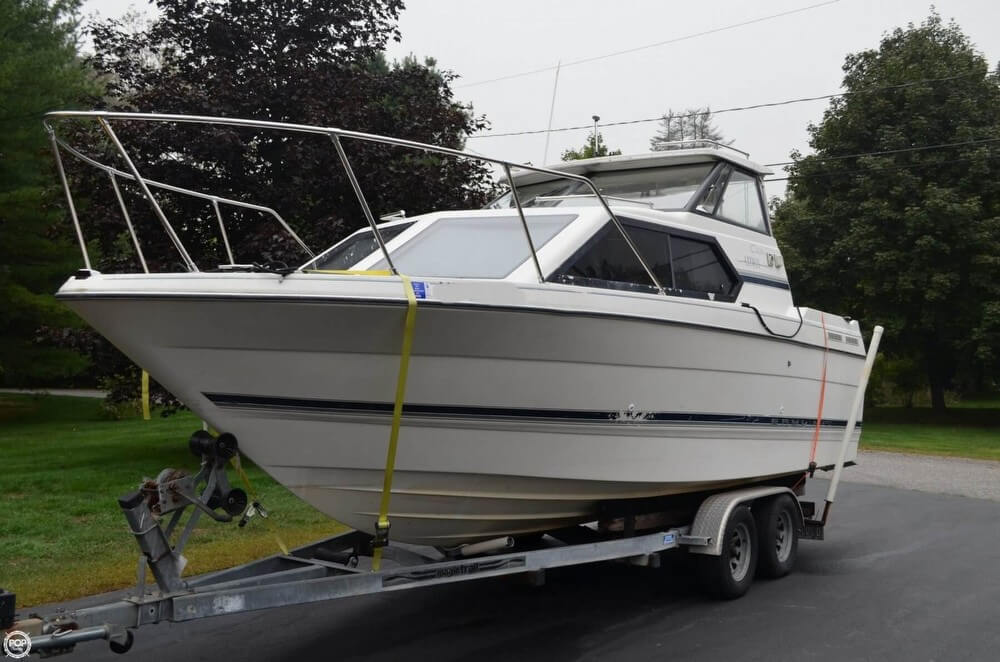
(903, 575)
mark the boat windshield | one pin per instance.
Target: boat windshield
(474, 247)
(456, 247)
(658, 188)
(355, 248)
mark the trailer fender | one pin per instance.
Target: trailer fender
(705, 536)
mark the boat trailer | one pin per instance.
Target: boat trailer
(337, 567)
(733, 534)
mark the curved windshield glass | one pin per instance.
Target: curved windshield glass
(658, 188)
(478, 247)
(355, 248)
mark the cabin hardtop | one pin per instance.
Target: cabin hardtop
(668, 157)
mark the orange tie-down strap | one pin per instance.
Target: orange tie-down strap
(822, 393)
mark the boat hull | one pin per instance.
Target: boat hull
(518, 418)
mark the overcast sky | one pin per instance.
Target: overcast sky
(792, 56)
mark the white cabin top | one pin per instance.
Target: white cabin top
(648, 160)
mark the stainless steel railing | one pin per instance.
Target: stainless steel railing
(335, 135)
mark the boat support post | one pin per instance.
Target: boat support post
(859, 398)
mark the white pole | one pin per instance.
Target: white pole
(859, 398)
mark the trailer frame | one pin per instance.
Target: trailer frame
(340, 567)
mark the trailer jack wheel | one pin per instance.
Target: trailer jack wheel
(122, 647)
(729, 575)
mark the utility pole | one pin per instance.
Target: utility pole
(597, 118)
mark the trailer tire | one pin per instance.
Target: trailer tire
(729, 575)
(777, 522)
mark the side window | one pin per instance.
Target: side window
(741, 202)
(698, 267)
(654, 247)
(606, 261)
(689, 267)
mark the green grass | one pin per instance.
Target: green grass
(970, 431)
(62, 467)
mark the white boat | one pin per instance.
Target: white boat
(545, 380)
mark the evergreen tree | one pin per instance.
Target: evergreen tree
(40, 70)
(690, 125)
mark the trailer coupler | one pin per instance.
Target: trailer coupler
(60, 641)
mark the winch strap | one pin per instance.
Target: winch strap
(235, 461)
(822, 392)
(145, 395)
(397, 415)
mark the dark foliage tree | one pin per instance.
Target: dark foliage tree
(910, 239)
(39, 70)
(594, 147)
(316, 62)
(690, 125)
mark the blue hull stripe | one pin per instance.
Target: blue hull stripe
(230, 400)
(770, 282)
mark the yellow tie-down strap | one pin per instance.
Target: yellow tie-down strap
(351, 272)
(145, 395)
(382, 525)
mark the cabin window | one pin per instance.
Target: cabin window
(741, 202)
(698, 268)
(684, 265)
(490, 247)
(356, 248)
(606, 261)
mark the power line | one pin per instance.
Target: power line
(919, 148)
(902, 166)
(735, 109)
(647, 46)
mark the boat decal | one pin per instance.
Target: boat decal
(629, 415)
(240, 401)
(769, 282)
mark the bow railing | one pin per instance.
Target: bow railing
(335, 135)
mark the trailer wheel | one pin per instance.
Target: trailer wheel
(730, 574)
(778, 535)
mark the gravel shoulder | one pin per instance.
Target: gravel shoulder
(979, 479)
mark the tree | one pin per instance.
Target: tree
(902, 235)
(689, 125)
(594, 147)
(310, 62)
(39, 70)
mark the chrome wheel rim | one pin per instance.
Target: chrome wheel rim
(739, 552)
(783, 536)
